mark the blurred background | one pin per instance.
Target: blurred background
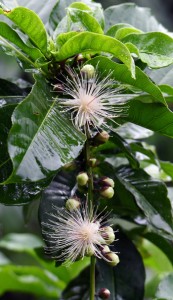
(9, 68)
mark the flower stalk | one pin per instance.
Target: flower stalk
(90, 205)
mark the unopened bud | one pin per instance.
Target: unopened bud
(105, 249)
(108, 181)
(112, 258)
(108, 234)
(82, 178)
(107, 192)
(102, 137)
(104, 293)
(89, 70)
(80, 57)
(89, 251)
(72, 203)
(92, 162)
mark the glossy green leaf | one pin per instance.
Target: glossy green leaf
(86, 19)
(121, 73)
(155, 48)
(115, 28)
(132, 131)
(41, 139)
(62, 38)
(151, 197)
(164, 290)
(151, 115)
(13, 194)
(123, 32)
(167, 167)
(20, 242)
(29, 279)
(42, 8)
(7, 33)
(29, 23)
(161, 243)
(139, 17)
(120, 142)
(87, 42)
(59, 11)
(162, 76)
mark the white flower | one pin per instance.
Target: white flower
(90, 100)
(74, 234)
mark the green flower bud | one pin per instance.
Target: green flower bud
(108, 234)
(113, 258)
(108, 181)
(104, 293)
(72, 204)
(82, 178)
(107, 192)
(92, 162)
(102, 137)
(89, 70)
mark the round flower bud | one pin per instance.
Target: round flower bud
(92, 162)
(113, 258)
(104, 293)
(107, 192)
(105, 249)
(82, 178)
(72, 203)
(102, 137)
(108, 234)
(89, 70)
(108, 181)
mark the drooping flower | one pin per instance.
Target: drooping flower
(91, 100)
(74, 234)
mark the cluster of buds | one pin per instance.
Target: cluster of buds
(107, 187)
(106, 184)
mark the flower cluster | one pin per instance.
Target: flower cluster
(91, 100)
(78, 233)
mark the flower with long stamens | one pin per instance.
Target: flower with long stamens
(74, 234)
(91, 100)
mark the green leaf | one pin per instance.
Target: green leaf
(86, 20)
(120, 142)
(154, 116)
(161, 243)
(139, 17)
(8, 88)
(29, 23)
(88, 42)
(115, 28)
(29, 279)
(20, 242)
(121, 73)
(59, 11)
(123, 32)
(41, 139)
(164, 290)
(13, 194)
(11, 35)
(62, 38)
(167, 167)
(132, 131)
(151, 197)
(155, 48)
